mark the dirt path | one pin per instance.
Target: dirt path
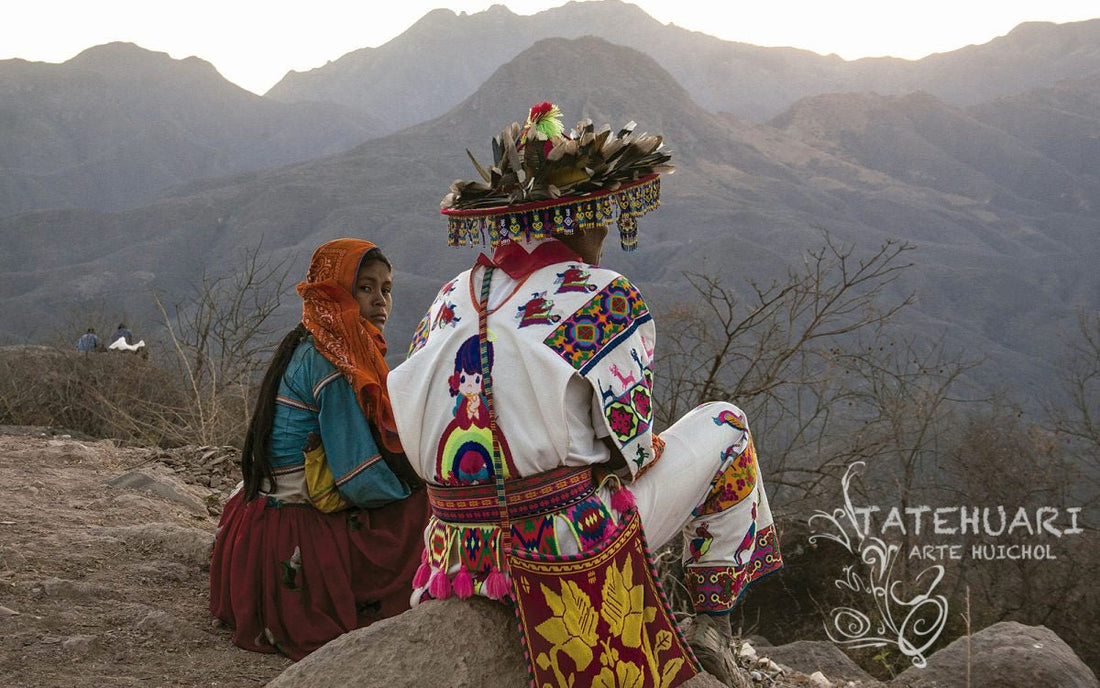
(106, 585)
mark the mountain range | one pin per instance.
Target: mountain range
(118, 125)
(999, 194)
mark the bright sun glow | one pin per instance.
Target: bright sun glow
(253, 43)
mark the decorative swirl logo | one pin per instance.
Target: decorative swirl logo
(912, 625)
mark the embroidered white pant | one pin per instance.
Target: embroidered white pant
(707, 488)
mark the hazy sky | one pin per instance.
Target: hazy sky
(253, 43)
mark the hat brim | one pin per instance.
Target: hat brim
(501, 224)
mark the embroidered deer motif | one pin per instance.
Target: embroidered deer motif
(606, 395)
(625, 381)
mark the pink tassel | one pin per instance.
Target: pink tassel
(496, 585)
(464, 583)
(623, 500)
(423, 574)
(440, 585)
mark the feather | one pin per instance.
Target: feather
(480, 169)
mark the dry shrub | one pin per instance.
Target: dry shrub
(102, 395)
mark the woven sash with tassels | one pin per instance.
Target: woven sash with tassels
(598, 616)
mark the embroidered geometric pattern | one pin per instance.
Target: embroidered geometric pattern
(590, 522)
(630, 414)
(477, 549)
(420, 336)
(766, 557)
(529, 496)
(716, 588)
(535, 533)
(611, 313)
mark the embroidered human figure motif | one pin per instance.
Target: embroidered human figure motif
(465, 453)
(574, 279)
(537, 311)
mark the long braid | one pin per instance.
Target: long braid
(254, 466)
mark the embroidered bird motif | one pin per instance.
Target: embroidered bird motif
(700, 544)
(747, 541)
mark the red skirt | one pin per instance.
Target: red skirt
(289, 578)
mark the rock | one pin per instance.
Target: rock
(1006, 655)
(162, 485)
(475, 640)
(446, 644)
(74, 590)
(808, 656)
(702, 681)
(80, 644)
(818, 680)
(166, 571)
(161, 624)
(189, 545)
(134, 502)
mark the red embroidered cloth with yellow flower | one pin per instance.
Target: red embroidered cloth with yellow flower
(599, 619)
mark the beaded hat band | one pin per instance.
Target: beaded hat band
(541, 219)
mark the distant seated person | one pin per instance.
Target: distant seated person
(324, 536)
(122, 333)
(88, 342)
(122, 338)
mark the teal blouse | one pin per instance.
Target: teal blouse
(315, 397)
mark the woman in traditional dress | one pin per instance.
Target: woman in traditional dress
(323, 536)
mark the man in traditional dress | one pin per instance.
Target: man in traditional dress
(529, 383)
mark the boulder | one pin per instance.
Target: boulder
(444, 644)
(808, 656)
(162, 484)
(1006, 655)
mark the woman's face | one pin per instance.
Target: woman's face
(374, 292)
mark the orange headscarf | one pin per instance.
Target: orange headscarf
(351, 343)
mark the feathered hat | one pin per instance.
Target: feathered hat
(544, 182)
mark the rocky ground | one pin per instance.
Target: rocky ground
(103, 577)
(103, 567)
(103, 582)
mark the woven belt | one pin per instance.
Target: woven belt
(527, 497)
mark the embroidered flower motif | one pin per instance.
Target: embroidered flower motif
(626, 675)
(624, 607)
(572, 628)
(621, 421)
(641, 403)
